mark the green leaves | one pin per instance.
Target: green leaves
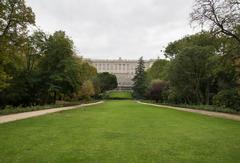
(202, 39)
(106, 81)
(15, 18)
(189, 73)
(159, 70)
(87, 89)
(140, 80)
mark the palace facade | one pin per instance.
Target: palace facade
(123, 69)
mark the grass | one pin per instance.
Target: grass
(119, 95)
(121, 131)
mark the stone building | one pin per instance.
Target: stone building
(123, 69)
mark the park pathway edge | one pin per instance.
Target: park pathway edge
(25, 115)
(203, 112)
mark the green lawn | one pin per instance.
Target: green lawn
(121, 131)
(120, 94)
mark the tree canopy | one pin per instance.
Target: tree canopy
(106, 81)
(158, 70)
(221, 16)
(140, 80)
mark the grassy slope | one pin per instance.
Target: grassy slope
(121, 131)
(120, 94)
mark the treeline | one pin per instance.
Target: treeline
(200, 69)
(37, 68)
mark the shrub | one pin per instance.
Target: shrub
(118, 95)
(229, 98)
(87, 90)
(157, 90)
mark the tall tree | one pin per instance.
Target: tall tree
(202, 39)
(200, 64)
(15, 17)
(24, 88)
(35, 49)
(221, 16)
(58, 68)
(191, 74)
(140, 80)
(158, 70)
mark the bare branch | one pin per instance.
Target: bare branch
(218, 15)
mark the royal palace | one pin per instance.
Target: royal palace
(123, 69)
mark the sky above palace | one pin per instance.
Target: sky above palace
(109, 29)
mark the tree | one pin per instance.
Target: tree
(203, 39)
(23, 90)
(24, 87)
(35, 48)
(106, 81)
(156, 90)
(36, 68)
(86, 71)
(4, 78)
(200, 67)
(190, 74)
(221, 16)
(140, 80)
(87, 90)
(229, 98)
(158, 70)
(15, 17)
(58, 67)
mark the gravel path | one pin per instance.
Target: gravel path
(18, 116)
(204, 112)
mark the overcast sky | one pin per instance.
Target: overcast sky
(108, 29)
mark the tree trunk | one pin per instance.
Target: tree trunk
(54, 97)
